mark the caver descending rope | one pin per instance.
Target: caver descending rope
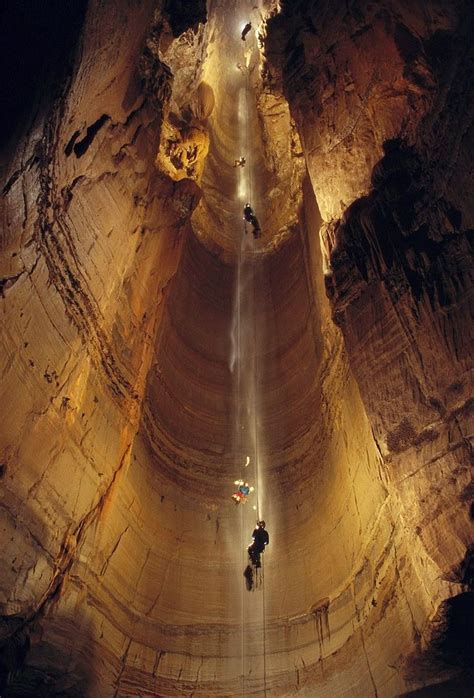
(247, 301)
(247, 133)
(249, 159)
(255, 410)
(257, 476)
(239, 448)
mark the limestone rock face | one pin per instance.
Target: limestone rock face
(357, 76)
(182, 152)
(398, 262)
(151, 348)
(249, 119)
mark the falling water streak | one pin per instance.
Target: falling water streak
(243, 362)
(235, 366)
(247, 340)
(242, 111)
(242, 186)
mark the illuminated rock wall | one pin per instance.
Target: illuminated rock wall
(123, 556)
(384, 110)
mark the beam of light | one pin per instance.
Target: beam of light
(242, 116)
(242, 188)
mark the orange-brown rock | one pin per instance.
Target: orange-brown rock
(151, 347)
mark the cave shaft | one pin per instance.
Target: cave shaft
(154, 351)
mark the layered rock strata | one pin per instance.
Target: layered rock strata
(123, 555)
(385, 114)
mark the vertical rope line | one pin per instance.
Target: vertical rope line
(247, 129)
(257, 465)
(239, 397)
(239, 443)
(242, 616)
(252, 294)
(254, 395)
(264, 631)
(256, 374)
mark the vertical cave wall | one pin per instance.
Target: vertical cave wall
(384, 109)
(88, 247)
(116, 452)
(319, 463)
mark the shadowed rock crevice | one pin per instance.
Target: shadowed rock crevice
(81, 146)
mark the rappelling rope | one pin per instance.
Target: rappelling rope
(239, 448)
(264, 633)
(249, 159)
(256, 378)
(239, 408)
(247, 131)
(254, 396)
(257, 482)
